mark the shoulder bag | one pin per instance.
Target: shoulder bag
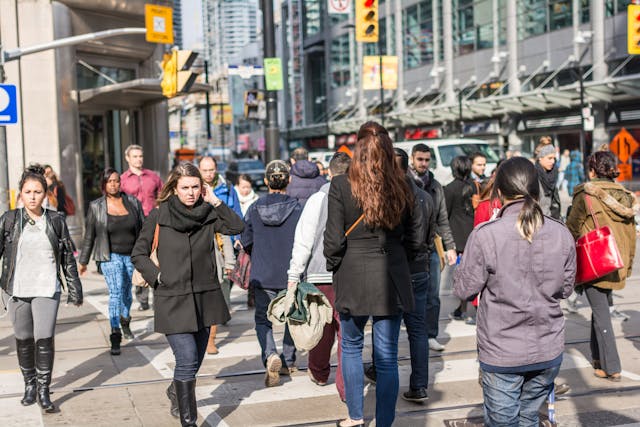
(137, 278)
(597, 253)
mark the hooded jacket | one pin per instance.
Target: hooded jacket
(614, 206)
(270, 225)
(305, 180)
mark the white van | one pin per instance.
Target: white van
(322, 156)
(443, 151)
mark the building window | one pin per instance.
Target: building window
(339, 66)
(560, 14)
(312, 21)
(418, 35)
(532, 18)
(93, 76)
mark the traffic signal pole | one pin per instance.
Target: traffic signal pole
(271, 130)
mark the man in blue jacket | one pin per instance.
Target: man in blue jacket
(221, 188)
(270, 225)
(305, 176)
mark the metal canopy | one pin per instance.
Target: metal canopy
(132, 94)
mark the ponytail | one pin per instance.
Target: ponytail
(530, 219)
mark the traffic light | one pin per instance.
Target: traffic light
(176, 74)
(633, 29)
(367, 21)
(254, 105)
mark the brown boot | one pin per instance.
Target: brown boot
(211, 346)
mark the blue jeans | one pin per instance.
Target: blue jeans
(414, 321)
(513, 400)
(117, 273)
(385, 339)
(264, 330)
(432, 306)
(188, 349)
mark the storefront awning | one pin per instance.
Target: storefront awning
(127, 95)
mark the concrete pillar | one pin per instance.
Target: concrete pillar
(447, 34)
(400, 100)
(512, 44)
(600, 71)
(435, 11)
(495, 22)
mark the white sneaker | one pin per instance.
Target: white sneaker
(435, 345)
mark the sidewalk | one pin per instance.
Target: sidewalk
(91, 387)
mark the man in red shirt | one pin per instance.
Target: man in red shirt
(145, 185)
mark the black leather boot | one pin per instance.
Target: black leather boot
(171, 394)
(126, 330)
(186, 393)
(44, 367)
(116, 339)
(27, 360)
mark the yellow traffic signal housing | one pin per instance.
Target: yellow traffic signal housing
(633, 29)
(177, 76)
(367, 21)
(169, 74)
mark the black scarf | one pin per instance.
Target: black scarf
(187, 220)
(548, 179)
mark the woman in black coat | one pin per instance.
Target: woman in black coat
(370, 265)
(457, 195)
(187, 294)
(112, 227)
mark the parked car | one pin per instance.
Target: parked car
(443, 151)
(252, 167)
(322, 156)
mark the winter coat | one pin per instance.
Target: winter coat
(433, 187)
(519, 320)
(187, 294)
(268, 237)
(614, 206)
(307, 260)
(305, 180)
(574, 172)
(457, 195)
(427, 228)
(370, 267)
(11, 225)
(96, 235)
(227, 193)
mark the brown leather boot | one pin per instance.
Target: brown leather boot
(211, 346)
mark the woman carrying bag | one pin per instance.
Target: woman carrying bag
(598, 203)
(112, 227)
(187, 294)
(35, 246)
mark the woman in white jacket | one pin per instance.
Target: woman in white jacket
(246, 195)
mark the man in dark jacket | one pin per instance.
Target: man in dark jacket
(420, 159)
(305, 176)
(268, 237)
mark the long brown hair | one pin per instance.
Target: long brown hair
(377, 183)
(183, 169)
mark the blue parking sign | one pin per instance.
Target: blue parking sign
(8, 105)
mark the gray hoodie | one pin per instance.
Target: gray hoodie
(520, 321)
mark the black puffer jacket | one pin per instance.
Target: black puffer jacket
(12, 223)
(96, 235)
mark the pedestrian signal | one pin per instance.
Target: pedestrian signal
(367, 21)
(633, 29)
(177, 76)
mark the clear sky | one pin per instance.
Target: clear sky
(192, 24)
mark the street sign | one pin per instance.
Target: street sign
(273, 74)
(8, 105)
(337, 7)
(623, 145)
(159, 23)
(371, 72)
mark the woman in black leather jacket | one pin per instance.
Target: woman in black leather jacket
(113, 224)
(35, 245)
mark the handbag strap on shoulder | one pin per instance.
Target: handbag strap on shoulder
(354, 225)
(593, 216)
(156, 237)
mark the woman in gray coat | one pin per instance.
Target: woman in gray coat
(522, 264)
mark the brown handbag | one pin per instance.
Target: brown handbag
(136, 277)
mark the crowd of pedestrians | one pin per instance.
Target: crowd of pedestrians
(372, 233)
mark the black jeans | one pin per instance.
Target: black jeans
(188, 349)
(603, 340)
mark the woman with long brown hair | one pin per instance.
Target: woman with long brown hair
(370, 233)
(187, 294)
